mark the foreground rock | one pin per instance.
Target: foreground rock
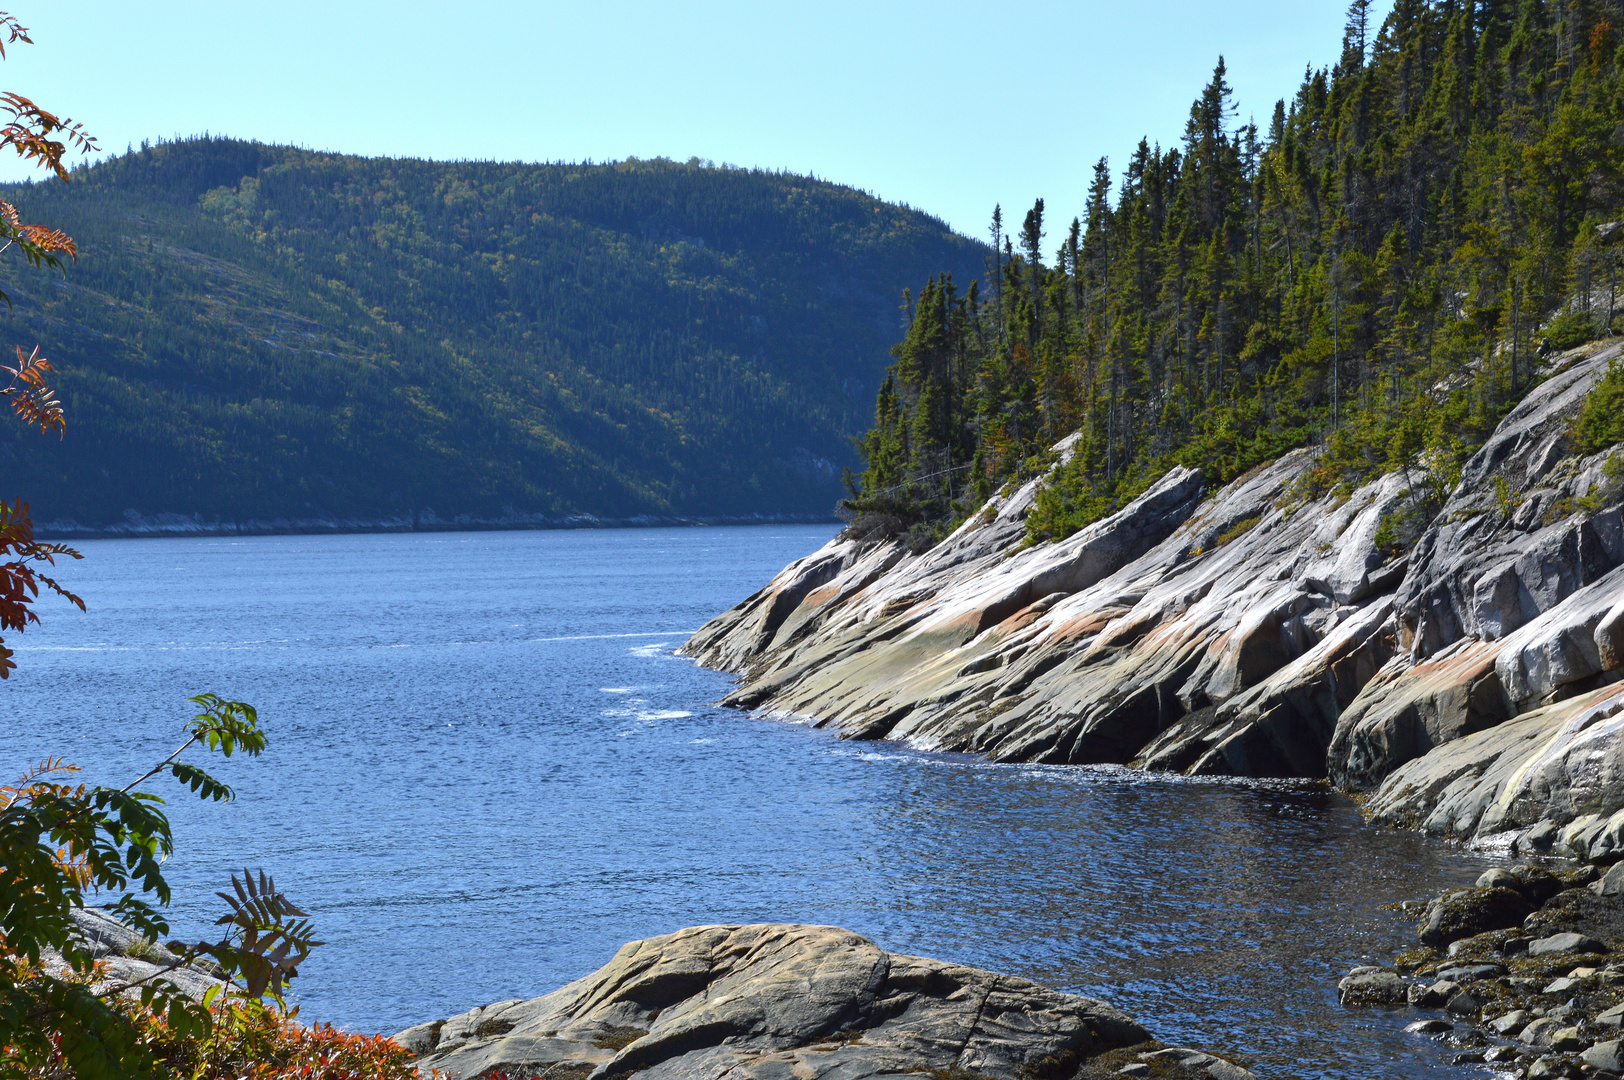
(782, 1001)
(125, 958)
(1248, 631)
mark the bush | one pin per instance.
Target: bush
(1237, 530)
(261, 1042)
(1571, 329)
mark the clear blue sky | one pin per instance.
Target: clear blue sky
(947, 106)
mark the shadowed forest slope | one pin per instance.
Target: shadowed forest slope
(257, 333)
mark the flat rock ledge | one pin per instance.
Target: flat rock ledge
(790, 1002)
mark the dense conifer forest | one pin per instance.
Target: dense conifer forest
(1375, 268)
(254, 332)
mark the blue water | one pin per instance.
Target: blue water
(487, 771)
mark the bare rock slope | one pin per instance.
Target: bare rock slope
(1237, 631)
(779, 1001)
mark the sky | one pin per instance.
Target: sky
(949, 107)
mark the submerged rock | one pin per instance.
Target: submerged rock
(774, 1001)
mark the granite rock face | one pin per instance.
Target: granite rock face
(129, 959)
(1210, 635)
(1476, 574)
(1240, 631)
(1550, 781)
(776, 1002)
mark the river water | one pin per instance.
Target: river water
(488, 770)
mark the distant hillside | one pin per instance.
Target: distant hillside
(255, 333)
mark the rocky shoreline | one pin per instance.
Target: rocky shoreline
(1456, 656)
(793, 1002)
(1524, 972)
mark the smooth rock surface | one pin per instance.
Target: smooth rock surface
(1569, 942)
(1139, 639)
(774, 1002)
(129, 959)
(1556, 776)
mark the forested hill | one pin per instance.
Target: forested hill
(1376, 269)
(256, 333)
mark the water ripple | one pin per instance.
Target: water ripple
(452, 804)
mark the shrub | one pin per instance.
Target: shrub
(1571, 329)
(1237, 530)
(261, 1042)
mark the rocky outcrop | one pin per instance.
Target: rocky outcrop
(1479, 572)
(125, 958)
(1239, 631)
(1551, 781)
(1221, 635)
(779, 1001)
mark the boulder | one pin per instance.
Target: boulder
(1539, 1032)
(1548, 1067)
(1432, 996)
(1429, 1027)
(1566, 942)
(1510, 1023)
(772, 1001)
(1378, 987)
(1468, 912)
(1536, 883)
(1606, 1056)
(1215, 1067)
(1612, 882)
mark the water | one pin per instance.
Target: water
(487, 771)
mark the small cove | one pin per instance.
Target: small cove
(488, 770)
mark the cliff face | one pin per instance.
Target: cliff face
(1241, 631)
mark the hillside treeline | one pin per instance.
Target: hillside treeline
(1376, 269)
(257, 332)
